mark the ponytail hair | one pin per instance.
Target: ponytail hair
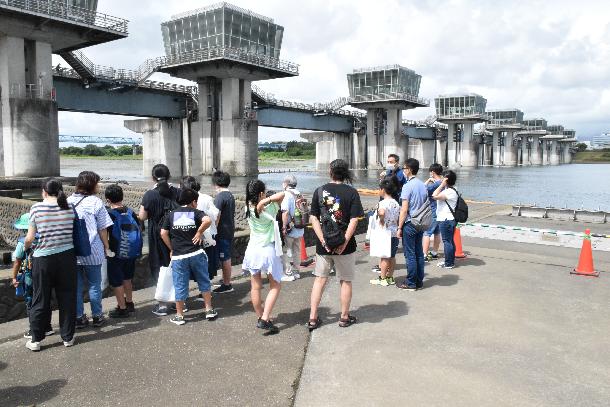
(53, 187)
(161, 175)
(253, 192)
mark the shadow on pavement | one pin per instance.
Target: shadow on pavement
(3, 365)
(470, 261)
(31, 395)
(375, 313)
(445, 280)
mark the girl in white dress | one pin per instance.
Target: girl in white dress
(262, 254)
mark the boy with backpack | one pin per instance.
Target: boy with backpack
(295, 217)
(125, 238)
(22, 270)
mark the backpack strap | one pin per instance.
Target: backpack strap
(456, 202)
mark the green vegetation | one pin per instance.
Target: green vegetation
(581, 146)
(91, 150)
(295, 150)
(595, 156)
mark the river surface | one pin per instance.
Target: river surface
(573, 186)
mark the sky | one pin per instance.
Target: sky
(550, 59)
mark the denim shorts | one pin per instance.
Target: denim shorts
(224, 249)
(182, 269)
(120, 270)
(433, 229)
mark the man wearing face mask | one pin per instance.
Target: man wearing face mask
(393, 170)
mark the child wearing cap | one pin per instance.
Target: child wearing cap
(22, 269)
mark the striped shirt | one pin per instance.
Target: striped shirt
(96, 217)
(54, 226)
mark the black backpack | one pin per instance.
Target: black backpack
(333, 234)
(460, 213)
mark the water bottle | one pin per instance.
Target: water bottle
(297, 217)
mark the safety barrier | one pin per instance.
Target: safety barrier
(578, 215)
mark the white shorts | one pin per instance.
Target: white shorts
(263, 260)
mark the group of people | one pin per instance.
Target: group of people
(192, 233)
(403, 194)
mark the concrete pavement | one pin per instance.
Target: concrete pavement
(509, 326)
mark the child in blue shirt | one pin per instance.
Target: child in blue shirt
(22, 264)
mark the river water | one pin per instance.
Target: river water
(573, 186)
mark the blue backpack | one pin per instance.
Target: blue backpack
(127, 233)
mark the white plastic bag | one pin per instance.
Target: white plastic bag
(276, 235)
(165, 285)
(104, 275)
(370, 227)
(381, 240)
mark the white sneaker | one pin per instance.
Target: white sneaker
(33, 346)
(296, 276)
(376, 269)
(288, 278)
(69, 343)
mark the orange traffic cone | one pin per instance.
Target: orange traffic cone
(457, 240)
(585, 262)
(305, 261)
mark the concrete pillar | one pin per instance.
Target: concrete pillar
(567, 154)
(395, 143)
(498, 150)
(440, 151)
(554, 160)
(161, 144)
(371, 138)
(535, 151)
(358, 153)
(29, 140)
(329, 146)
(510, 150)
(525, 151)
(464, 153)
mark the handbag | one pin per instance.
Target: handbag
(165, 291)
(381, 240)
(80, 234)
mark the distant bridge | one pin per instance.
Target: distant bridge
(100, 140)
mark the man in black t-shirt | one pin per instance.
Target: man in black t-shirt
(182, 232)
(225, 202)
(341, 203)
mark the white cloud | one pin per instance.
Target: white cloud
(550, 59)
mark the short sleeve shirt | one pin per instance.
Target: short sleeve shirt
(54, 226)
(205, 203)
(392, 213)
(343, 203)
(442, 210)
(182, 224)
(262, 230)
(92, 209)
(289, 205)
(431, 188)
(415, 192)
(225, 202)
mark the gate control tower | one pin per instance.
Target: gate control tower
(30, 32)
(504, 125)
(224, 48)
(460, 113)
(384, 92)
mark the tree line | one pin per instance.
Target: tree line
(92, 150)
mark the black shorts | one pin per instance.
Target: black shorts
(120, 270)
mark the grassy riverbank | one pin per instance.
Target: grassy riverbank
(587, 157)
(105, 157)
(284, 156)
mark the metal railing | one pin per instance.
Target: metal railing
(234, 54)
(220, 5)
(391, 96)
(59, 9)
(31, 91)
(172, 87)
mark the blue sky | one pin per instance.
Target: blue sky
(550, 59)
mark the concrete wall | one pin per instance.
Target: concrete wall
(423, 151)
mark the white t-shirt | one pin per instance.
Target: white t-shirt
(289, 205)
(392, 213)
(442, 211)
(205, 203)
